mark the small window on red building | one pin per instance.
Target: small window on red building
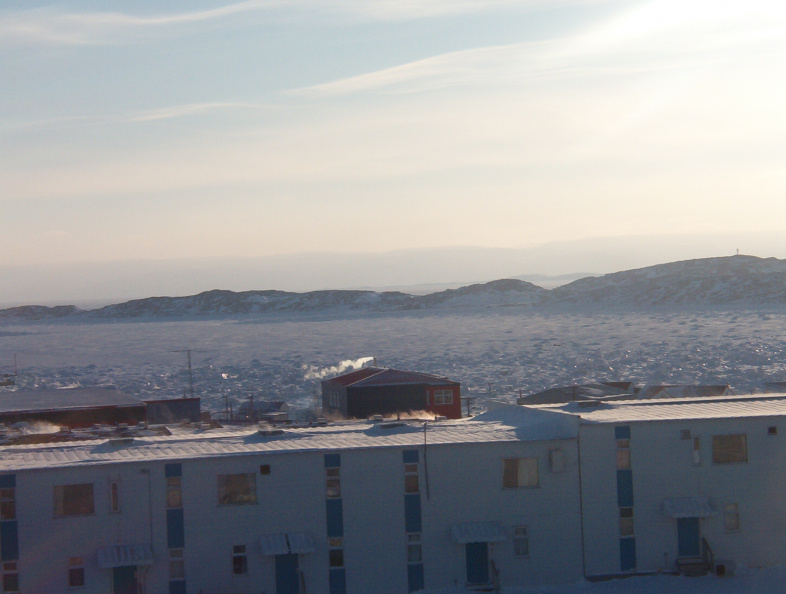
(443, 397)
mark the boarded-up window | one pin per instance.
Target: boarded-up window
(731, 517)
(520, 541)
(237, 489)
(729, 448)
(174, 493)
(520, 472)
(74, 500)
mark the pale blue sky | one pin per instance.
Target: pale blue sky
(149, 130)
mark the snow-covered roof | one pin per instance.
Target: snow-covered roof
(376, 376)
(39, 400)
(513, 424)
(722, 407)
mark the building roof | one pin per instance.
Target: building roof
(65, 398)
(377, 376)
(510, 424)
(629, 411)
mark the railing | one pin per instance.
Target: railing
(495, 576)
(707, 555)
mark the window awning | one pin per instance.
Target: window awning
(282, 544)
(689, 507)
(301, 542)
(477, 532)
(124, 555)
(274, 544)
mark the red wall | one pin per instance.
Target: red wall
(451, 411)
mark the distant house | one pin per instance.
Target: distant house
(173, 410)
(71, 407)
(263, 410)
(378, 391)
(562, 394)
(683, 391)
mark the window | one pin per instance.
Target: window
(520, 472)
(772, 430)
(114, 497)
(336, 552)
(174, 492)
(414, 549)
(520, 541)
(237, 489)
(8, 504)
(177, 565)
(239, 560)
(10, 577)
(411, 480)
(557, 460)
(333, 482)
(731, 517)
(626, 521)
(264, 469)
(685, 434)
(443, 396)
(696, 451)
(74, 500)
(76, 572)
(729, 448)
(623, 454)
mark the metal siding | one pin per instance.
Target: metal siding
(334, 510)
(415, 578)
(625, 488)
(627, 554)
(411, 456)
(175, 532)
(9, 541)
(338, 581)
(7, 481)
(622, 432)
(173, 470)
(412, 517)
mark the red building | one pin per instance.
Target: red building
(378, 391)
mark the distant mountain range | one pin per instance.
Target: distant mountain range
(734, 280)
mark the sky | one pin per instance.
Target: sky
(148, 131)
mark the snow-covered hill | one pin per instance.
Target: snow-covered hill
(736, 280)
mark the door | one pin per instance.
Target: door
(287, 576)
(688, 537)
(124, 580)
(477, 562)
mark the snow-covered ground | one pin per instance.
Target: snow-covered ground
(745, 581)
(500, 350)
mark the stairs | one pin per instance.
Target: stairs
(693, 566)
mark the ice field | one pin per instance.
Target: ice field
(498, 351)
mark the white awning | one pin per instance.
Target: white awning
(301, 542)
(274, 544)
(124, 555)
(477, 532)
(689, 507)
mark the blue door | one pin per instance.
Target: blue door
(477, 562)
(287, 577)
(124, 580)
(688, 537)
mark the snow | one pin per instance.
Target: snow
(749, 580)
(496, 352)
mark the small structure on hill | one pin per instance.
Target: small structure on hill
(263, 410)
(373, 391)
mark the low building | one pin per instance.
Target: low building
(353, 507)
(373, 391)
(166, 411)
(71, 407)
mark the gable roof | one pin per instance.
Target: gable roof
(376, 376)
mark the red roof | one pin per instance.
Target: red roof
(375, 376)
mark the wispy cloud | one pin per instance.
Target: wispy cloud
(55, 26)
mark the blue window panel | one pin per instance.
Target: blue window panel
(412, 518)
(627, 554)
(9, 541)
(625, 488)
(175, 533)
(688, 537)
(7, 481)
(622, 432)
(477, 555)
(335, 518)
(411, 457)
(172, 470)
(338, 581)
(332, 460)
(287, 576)
(415, 579)
(177, 587)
